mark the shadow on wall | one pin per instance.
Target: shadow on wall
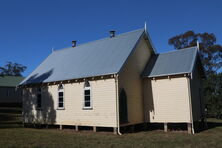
(36, 79)
(150, 64)
(44, 115)
(149, 102)
(148, 93)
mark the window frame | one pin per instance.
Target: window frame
(39, 92)
(90, 95)
(63, 91)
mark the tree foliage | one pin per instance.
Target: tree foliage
(12, 69)
(213, 94)
(211, 54)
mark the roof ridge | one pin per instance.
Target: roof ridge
(122, 34)
(177, 50)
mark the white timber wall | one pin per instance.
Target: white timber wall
(167, 100)
(103, 113)
(130, 80)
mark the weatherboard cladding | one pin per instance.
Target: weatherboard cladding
(101, 57)
(171, 63)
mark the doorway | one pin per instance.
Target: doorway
(123, 111)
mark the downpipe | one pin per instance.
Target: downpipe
(117, 104)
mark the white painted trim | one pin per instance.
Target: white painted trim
(198, 45)
(90, 94)
(117, 105)
(58, 91)
(190, 104)
(149, 39)
(145, 26)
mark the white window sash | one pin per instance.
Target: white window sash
(63, 100)
(90, 100)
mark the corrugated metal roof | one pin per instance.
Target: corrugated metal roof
(101, 57)
(171, 63)
(10, 81)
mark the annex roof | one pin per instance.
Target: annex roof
(101, 57)
(171, 63)
(10, 81)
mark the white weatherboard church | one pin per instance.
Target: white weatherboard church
(113, 82)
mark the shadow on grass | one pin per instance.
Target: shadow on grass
(11, 117)
(213, 124)
(200, 127)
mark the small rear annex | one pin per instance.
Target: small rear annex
(172, 87)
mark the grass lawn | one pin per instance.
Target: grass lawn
(12, 134)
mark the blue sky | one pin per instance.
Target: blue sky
(30, 28)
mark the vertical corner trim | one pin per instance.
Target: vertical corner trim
(190, 104)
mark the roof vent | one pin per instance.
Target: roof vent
(112, 33)
(73, 44)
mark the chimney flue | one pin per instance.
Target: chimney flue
(112, 33)
(73, 44)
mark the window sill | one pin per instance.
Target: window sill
(60, 108)
(87, 108)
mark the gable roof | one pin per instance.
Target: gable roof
(172, 63)
(10, 81)
(101, 57)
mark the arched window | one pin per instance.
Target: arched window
(60, 97)
(87, 95)
(39, 98)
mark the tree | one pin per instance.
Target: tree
(213, 94)
(210, 51)
(211, 54)
(12, 69)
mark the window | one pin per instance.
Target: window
(60, 97)
(39, 98)
(87, 96)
